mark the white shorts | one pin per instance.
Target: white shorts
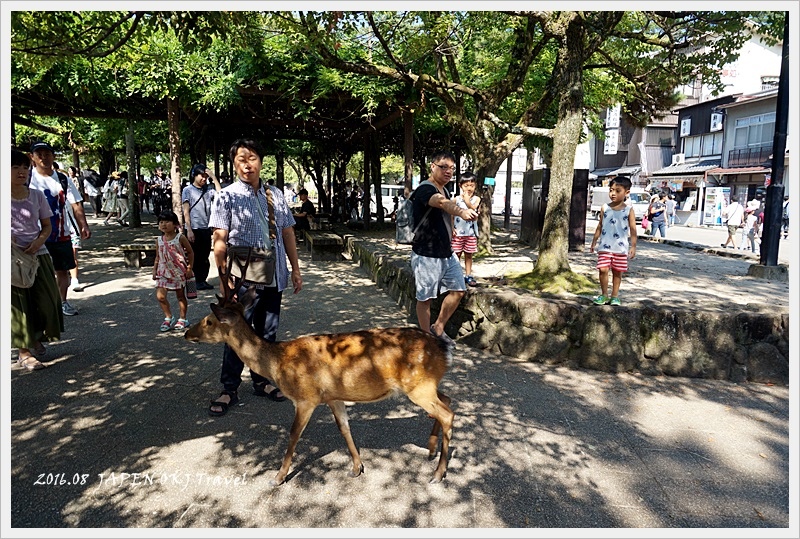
(433, 276)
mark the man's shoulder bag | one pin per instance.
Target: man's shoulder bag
(256, 265)
(253, 264)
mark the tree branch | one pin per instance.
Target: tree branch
(137, 15)
(383, 42)
(518, 129)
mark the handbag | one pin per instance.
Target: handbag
(259, 263)
(256, 264)
(645, 223)
(23, 267)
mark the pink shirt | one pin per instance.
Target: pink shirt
(26, 216)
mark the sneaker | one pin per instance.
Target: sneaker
(601, 300)
(75, 286)
(166, 325)
(204, 286)
(68, 309)
(615, 302)
(181, 324)
(470, 280)
(444, 336)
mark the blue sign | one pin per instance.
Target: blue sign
(488, 181)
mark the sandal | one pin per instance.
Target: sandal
(182, 323)
(166, 325)
(31, 363)
(224, 405)
(259, 391)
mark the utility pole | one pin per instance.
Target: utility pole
(773, 209)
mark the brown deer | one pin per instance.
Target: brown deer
(362, 366)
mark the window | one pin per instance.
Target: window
(711, 144)
(754, 131)
(691, 146)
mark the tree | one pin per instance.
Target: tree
(502, 77)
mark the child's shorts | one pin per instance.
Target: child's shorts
(465, 244)
(615, 261)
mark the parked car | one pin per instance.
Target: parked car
(638, 198)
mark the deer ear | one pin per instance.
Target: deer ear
(224, 315)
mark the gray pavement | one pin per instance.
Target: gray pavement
(533, 446)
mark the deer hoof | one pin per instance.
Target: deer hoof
(356, 473)
(274, 483)
(437, 478)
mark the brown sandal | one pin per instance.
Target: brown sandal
(31, 363)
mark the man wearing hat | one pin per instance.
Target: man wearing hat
(59, 192)
(197, 200)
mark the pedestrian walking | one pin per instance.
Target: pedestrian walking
(733, 214)
(36, 315)
(59, 192)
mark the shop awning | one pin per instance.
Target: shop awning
(719, 171)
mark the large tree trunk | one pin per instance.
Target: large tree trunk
(280, 177)
(173, 122)
(554, 246)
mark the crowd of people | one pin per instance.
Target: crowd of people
(249, 214)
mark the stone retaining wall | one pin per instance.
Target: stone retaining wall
(737, 346)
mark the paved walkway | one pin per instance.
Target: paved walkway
(534, 446)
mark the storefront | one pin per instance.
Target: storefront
(687, 182)
(745, 183)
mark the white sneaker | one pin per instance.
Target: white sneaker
(75, 286)
(68, 309)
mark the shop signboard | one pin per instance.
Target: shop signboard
(716, 198)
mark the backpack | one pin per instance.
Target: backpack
(404, 219)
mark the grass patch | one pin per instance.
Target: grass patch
(567, 282)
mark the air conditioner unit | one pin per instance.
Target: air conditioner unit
(678, 158)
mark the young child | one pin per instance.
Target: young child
(616, 232)
(173, 264)
(750, 230)
(465, 233)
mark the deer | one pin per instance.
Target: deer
(355, 367)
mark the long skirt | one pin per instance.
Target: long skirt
(36, 314)
(110, 203)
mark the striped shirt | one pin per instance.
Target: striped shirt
(235, 210)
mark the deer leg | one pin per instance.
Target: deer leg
(433, 441)
(428, 398)
(302, 414)
(340, 413)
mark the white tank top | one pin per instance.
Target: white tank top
(615, 234)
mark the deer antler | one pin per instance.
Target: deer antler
(225, 277)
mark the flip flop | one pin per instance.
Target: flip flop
(224, 405)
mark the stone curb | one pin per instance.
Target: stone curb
(672, 341)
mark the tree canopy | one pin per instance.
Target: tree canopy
(485, 81)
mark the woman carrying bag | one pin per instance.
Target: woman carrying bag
(36, 314)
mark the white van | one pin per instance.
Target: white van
(388, 192)
(638, 198)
